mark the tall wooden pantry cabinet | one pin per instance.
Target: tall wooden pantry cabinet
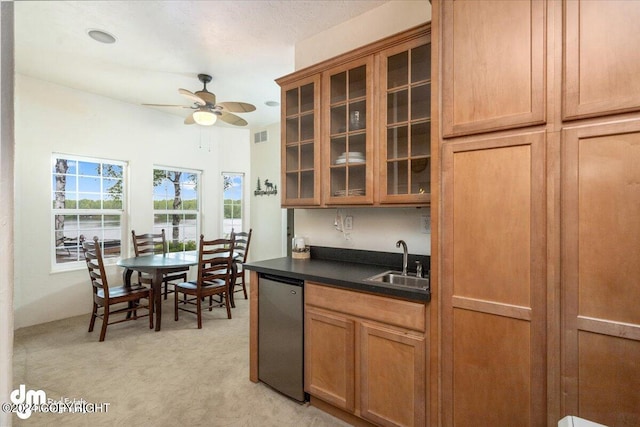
(537, 112)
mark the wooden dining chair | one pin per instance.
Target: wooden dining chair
(151, 244)
(215, 258)
(242, 241)
(104, 296)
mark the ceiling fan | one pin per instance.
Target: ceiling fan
(206, 110)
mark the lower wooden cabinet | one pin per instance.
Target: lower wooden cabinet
(358, 362)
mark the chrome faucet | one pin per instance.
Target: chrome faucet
(405, 255)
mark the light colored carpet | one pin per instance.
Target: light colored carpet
(178, 376)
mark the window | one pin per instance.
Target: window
(176, 207)
(87, 201)
(232, 200)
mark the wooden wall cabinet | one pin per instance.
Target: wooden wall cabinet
(300, 160)
(366, 355)
(348, 116)
(371, 123)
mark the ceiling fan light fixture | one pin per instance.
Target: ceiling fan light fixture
(204, 117)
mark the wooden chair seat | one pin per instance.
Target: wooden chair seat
(104, 296)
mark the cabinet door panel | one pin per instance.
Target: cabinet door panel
(493, 282)
(602, 60)
(601, 249)
(493, 65)
(392, 376)
(329, 358)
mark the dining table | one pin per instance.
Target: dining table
(160, 264)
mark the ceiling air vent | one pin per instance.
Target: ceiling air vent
(259, 137)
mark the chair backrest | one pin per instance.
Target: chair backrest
(95, 264)
(145, 244)
(241, 245)
(215, 260)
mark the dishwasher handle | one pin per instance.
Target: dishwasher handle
(282, 279)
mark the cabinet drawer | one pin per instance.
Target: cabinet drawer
(405, 314)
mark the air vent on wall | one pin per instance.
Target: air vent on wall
(259, 137)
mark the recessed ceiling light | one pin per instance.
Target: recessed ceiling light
(272, 103)
(101, 36)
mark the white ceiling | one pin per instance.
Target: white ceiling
(162, 46)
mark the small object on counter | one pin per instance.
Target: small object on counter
(301, 253)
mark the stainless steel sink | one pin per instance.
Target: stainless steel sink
(396, 278)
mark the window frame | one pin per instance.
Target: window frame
(198, 212)
(242, 203)
(77, 211)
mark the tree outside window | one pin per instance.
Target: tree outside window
(176, 207)
(232, 202)
(87, 201)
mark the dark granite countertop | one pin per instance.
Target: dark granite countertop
(325, 269)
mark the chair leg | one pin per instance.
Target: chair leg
(175, 305)
(199, 310)
(166, 289)
(226, 300)
(94, 314)
(105, 322)
(244, 287)
(210, 302)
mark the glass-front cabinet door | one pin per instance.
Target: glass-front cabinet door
(301, 142)
(405, 128)
(348, 117)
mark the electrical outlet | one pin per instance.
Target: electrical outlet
(425, 224)
(348, 223)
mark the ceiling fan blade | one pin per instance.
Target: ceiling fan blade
(232, 119)
(189, 120)
(165, 105)
(207, 96)
(237, 107)
(193, 97)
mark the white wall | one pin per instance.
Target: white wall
(374, 228)
(391, 18)
(268, 239)
(51, 118)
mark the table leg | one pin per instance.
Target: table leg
(157, 296)
(126, 281)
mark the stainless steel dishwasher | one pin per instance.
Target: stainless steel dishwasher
(281, 334)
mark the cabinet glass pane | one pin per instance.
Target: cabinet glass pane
(306, 156)
(338, 150)
(398, 70)
(292, 158)
(421, 63)
(292, 102)
(357, 148)
(357, 115)
(421, 176)
(420, 102)
(397, 175)
(306, 184)
(306, 98)
(356, 184)
(397, 110)
(397, 142)
(292, 185)
(358, 82)
(306, 127)
(421, 139)
(338, 119)
(292, 130)
(338, 181)
(338, 87)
